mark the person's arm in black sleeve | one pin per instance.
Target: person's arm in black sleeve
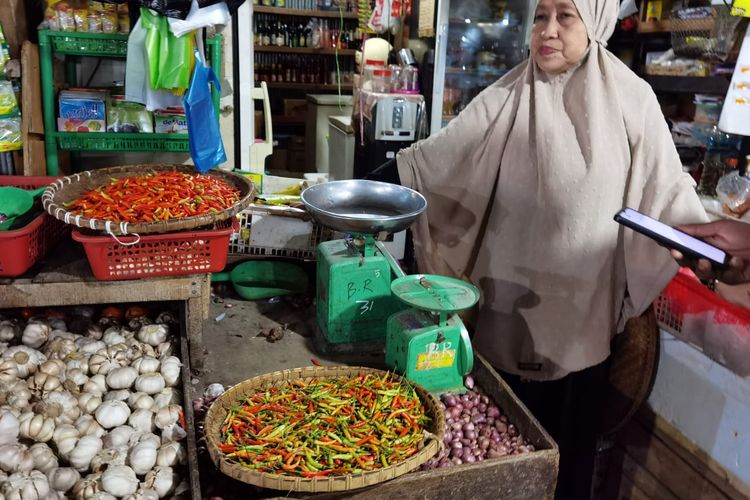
(387, 172)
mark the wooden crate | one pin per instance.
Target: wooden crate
(531, 476)
(653, 461)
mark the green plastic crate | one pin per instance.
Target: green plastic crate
(102, 141)
(88, 44)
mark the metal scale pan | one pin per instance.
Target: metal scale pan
(362, 206)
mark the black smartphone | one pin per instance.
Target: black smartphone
(671, 237)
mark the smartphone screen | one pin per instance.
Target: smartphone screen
(671, 237)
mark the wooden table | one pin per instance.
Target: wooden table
(64, 278)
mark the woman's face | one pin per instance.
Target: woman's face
(558, 37)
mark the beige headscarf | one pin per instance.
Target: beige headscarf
(522, 187)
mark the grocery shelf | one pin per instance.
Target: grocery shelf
(102, 45)
(86, 44)
(303, 50)
(667, 25)
(688, 84)
(308, 86)
(104, 141)
(282, 11)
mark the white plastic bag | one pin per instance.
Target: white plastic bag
(734, 194)
(213, 15)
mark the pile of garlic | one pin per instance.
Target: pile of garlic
(90, 415)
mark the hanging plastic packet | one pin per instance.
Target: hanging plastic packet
(177, 9)
(204, 135)
(11, 138)
(8, 103)
(4, 51)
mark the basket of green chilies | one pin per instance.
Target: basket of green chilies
(318, 429)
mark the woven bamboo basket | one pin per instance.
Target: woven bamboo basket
(72, 187)
(219, 409)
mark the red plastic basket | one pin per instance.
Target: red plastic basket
(21, 248)
(686, 295)
(170, 254)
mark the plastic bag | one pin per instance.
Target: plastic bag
(8, 103)
(177, 9)
(169, 57)
(206, 146)
(10, 134)
(734, 194)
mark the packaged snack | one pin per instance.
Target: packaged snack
(11, 138)
(170, 121)
(82, 105)
(65, 16)
(95, 22)
(8, 103)
(81, 18)
(110, 23)
(128, 117)
(79, 125)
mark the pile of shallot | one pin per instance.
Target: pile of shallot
(89, 407)
(475, 430)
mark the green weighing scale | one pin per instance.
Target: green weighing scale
(364, 301)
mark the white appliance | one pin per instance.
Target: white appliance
(477, 41)
(319, 108)
(340, 147)
(395, 118)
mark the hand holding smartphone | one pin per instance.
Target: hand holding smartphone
(672, 238)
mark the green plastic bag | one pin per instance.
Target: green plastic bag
(170, 58)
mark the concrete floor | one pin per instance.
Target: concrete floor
(235, 352)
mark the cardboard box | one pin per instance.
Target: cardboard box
(78, 125)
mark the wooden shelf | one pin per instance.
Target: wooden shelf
(688, 84)
(668, 25)
(282, 11)
(288, 120)
(308, 86)
(303, 50)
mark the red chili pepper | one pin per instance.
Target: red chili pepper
(315, 362)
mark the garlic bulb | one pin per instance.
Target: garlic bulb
(43, 456)
(118, 437)
(136, 348)
(8, 371)
(118, 395)
(121, 377)
(142, 457)
(9, 427)
(173, 432)
(59, 333)
(153, 335)
(87, 487)
(109, 456)
(62, 478)
(96, 385)
(54, 367)
(150, 383)
(145, 437)
(26, 486)
(167, 397)
(65, 438)
(171, 454)
(35, 334)
(76, 375)
(59, 348)
(163, 480)
(88, 402)
(112, 336)
(86, 448)
(89, 346)
(102, 362)
(17, 458)
(19, 396)
(167, 415)
(119, 480)
(142, 420)
(140, 400)
(164, 350)
(27, 359)
(62, 405)
(170, 370)
(93, 331)
(9, 330)
(143, 494)
(112, 413)
(42, 383)
(86, 424)
(57, 324)
(77, 360)
(40, 428)
(146, 364)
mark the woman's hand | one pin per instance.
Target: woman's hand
(731, 236)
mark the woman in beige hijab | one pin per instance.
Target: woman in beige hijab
(522, 188)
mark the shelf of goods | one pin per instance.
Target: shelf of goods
(688, 84)
(109, 46)
(282, 11)
(667, 25)
(308, 86)
(303, 50)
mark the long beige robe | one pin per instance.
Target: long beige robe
(522, 188)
